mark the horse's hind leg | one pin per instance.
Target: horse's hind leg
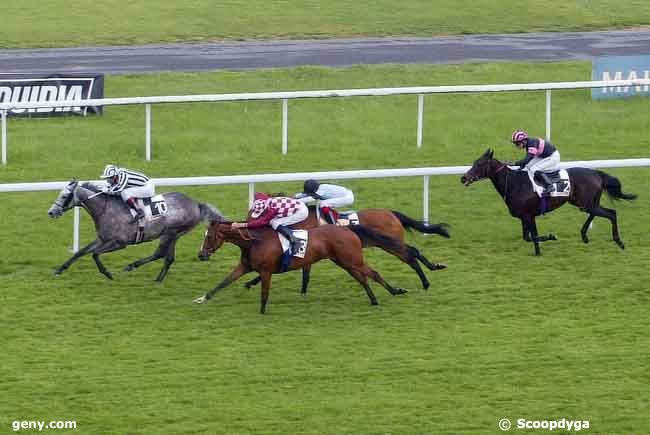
(585, 228)
(160, 252)
(363, 280)
(80, 253)
(253, 282)
(375, 276)
(425, 261)
(611, 215)
(170, 256)
(408, 255)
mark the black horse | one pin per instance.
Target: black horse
(587, 186)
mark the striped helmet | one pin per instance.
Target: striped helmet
(518, 136)
(110, 171)
(260, 204)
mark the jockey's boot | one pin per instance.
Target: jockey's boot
(139, 213)
(548, 184)
(286, 232)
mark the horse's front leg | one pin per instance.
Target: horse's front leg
(525, 231)
(305, 279)
(109, 246)
(529, 222)
(80, 253)
(240, 270)
(266, 287)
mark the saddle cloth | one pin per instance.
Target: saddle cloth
(303, 236)
(154, 207)
(560, 181)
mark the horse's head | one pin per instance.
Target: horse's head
(65, 201)
(212, 241)
(479, 170)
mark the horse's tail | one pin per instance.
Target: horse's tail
(423, 227)
(372, 238)
(613, 187)
(209, 212)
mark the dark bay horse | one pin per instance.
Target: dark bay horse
(261, 251)
(389, 223)
(587, 186)
(116, 230)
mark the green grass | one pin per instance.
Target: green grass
(55, 23)
(500, 333)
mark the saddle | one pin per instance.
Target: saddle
(559, 179)
(340, 218)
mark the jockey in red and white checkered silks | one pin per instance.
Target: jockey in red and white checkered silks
(278, 212)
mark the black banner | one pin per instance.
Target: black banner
(23, 88)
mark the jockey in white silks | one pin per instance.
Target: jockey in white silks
(129, 185)
(330, 196)
(541, 157)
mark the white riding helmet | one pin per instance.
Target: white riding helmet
(109, 171)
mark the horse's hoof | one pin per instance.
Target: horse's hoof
(58, 272)
(585, 240)
(374, 303)
(438, 266)
(401, 291)
(620, 244)
(201, 300)
(108, 275)
(426, 286)
(128, 268)
(552, 237)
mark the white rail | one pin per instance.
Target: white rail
(250, 180)
(285, 96)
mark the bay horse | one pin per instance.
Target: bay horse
(116, 230)
(261, 252)
(587, 186)
(389, 223)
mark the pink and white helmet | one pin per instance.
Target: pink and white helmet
(260, 204)
(518, 136)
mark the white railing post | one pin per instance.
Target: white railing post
(548, 115)
(75, 231)
(251, 194)
(425, 200)
(4, 137)
(147, 134)
(285, 124)
(420, 117)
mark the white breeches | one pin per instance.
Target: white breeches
(341, 201)
(549, 164)
(146, 191)
(299, 216)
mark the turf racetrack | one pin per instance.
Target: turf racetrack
(58, 23)
(499, 334)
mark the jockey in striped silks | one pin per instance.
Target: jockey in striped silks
(128, 185)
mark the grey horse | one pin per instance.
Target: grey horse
(116, 229)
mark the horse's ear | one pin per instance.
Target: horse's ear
(491, 153)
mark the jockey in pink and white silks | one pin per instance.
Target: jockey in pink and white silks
(128, 185)
(279, 212)
(541, 157)
(330, 196)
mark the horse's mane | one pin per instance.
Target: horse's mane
(91, 185)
